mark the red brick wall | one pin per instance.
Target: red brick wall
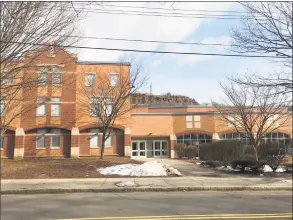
(30, 148)
(8, 146)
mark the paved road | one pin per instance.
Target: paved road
(175, 204)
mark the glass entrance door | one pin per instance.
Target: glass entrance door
(160, 148)
(138, 149)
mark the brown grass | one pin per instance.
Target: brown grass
(59, 168)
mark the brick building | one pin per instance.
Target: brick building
(59, 126)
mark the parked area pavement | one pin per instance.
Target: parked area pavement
(171, 205)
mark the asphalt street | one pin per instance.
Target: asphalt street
(149, 205)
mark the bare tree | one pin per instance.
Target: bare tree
(254, 110)
(267, 28)
(25, 28)
(108, 98)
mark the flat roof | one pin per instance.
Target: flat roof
(102, 63)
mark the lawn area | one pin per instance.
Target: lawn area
(59, 168)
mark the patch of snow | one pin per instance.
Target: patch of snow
(228, 168)
(267, 169)
(281, 169)
(126, 184)
(247, 169)
(261, 174)
(151, 168)
(198, 163)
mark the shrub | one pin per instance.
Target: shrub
(179, 149)
(223, 151)
(242, 164)
(190, 151)
(211, 163)
(272, 154)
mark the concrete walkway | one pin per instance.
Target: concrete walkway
(186, 183)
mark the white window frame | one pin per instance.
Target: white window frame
(41, 133)
(2, 106)
(44, 71)
(94, 133)
(110, 139)
(112, 82)
(55, 132)
(2, 143)
(189, 121)
(94, 102)
(108, 111)
(197, 123)
(45, 109)
(56, 76)
(56, 101)
(87, 84)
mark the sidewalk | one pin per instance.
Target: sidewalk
(186, 183)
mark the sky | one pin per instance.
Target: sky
(195, 76)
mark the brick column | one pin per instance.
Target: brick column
(19, 143)
(74, 152)
(215, 137)
(172, 144)
(127, 142)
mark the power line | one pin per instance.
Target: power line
(156, 14)
(144, 51)
(169, 9)
(137, 40)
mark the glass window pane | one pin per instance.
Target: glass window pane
(56, 78)
(114, 79)
(55, 111)
(2, 142)
(89, 79)
(41, 109)
(56, 131)
(201, 136)
(164, 145)
(94, 130)
(141, 146)
(180, 138)
(187, 137)
(108, 109)
(94, 141)
(157, 145)
(56, 141)
(188, 124)
(108, 141)
(194, 136)
(196, 118)
(197, 125)
(134, 145)
(275, 135)
(134, 153)
(195, 142)
(42, 131)
(41, 141)
(142, 153)
(187, 142)
(56, 99)
(179, 141)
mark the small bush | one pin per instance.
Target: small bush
(190, 151)
(211, 163)
(272, 154)
(242, 164)
(179, 149)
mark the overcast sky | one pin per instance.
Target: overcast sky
(194, 76)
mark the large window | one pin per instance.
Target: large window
(54, 135)
(194, 139)
(237, 136)
(277, 137)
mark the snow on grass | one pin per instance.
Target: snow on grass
(281, 169)
(228, 168)
(126, 184)
(151, 168)
(267, 169)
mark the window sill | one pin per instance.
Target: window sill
(41, 115)
(40, 148)
(94, 147)
(55, 115)
(55, 148)
(108, 146)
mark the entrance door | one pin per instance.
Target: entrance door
(138, 149)
(160, 148)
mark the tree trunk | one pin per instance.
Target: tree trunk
(103, 147)
(256, 155)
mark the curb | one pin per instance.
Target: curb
(154, 189)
